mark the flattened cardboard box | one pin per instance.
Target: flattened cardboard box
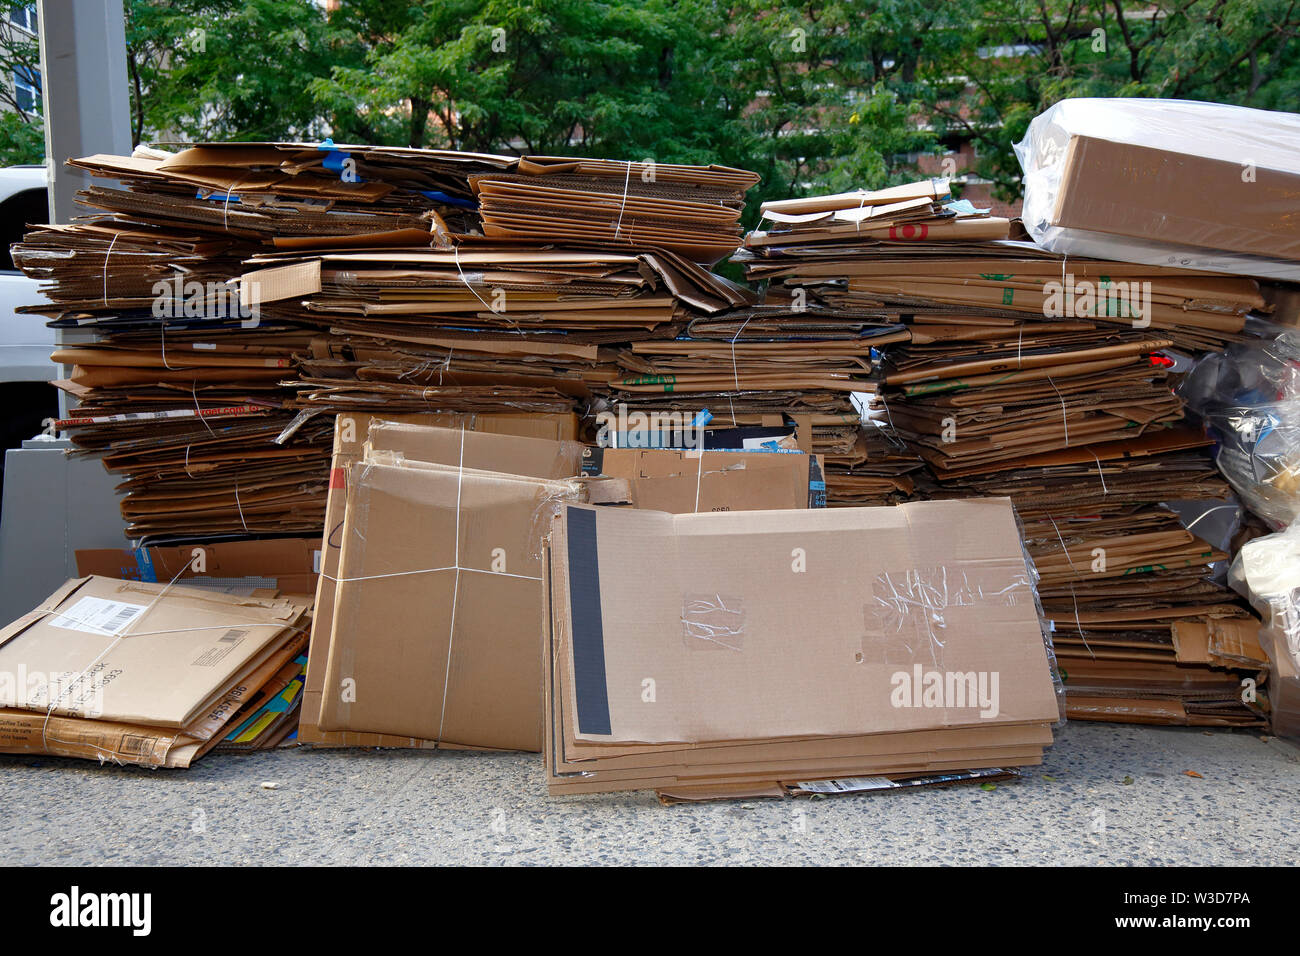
(288, 565)
(438, 611)
(679, 480)
(1146, 192)
(959, 564)
(350, 435)
(949, 590)
(741, 480)
(139, 653)
(27, 731)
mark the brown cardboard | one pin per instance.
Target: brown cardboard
(139, 653)
(716, 628)
(681, 481)
(754, 479)
(707, 723)
(288, 565)
(351, 433)
(27, 731)
(437, 621)
(1171, 197)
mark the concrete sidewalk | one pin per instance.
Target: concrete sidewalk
(401, 807)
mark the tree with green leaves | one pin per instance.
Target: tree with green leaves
(814, 96)
(22, 131)
(224, 69)
(1033, 53)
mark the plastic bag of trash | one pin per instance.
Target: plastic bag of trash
(1249, 398)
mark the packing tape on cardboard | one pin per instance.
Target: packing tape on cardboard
(714, 619)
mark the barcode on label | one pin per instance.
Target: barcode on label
(93, 615)
(219, 651)
(122, 618)
(135, 744)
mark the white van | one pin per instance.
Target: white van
(26, 397)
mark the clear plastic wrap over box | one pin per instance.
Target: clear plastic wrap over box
(1166, 182)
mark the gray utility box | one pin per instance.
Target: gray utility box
(53, 505)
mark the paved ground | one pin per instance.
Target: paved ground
(393, 807)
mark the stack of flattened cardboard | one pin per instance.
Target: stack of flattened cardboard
(943, 261)
(1047, 381)
(188, 390)
(982, 406)
(350, 436)
(1088, 446)
(429, 624)
(1141, 632)
(287, 565)
(764, 366)
(715, 655)
(292, 193)
(693, 210)
(479, 326)
(149, 674)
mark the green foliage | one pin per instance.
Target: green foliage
(1246, 52)
(812, 95)
(224, 69)
(22, 141)
(22, 135)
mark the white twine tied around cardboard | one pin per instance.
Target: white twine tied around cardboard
(455, 251)
(240, 507)
(885, 405)
(455, 588)
(1197, 520)
(225, 206)
(1100, 473)
(735, 371)
(699, 472)
(454, 566)
(627, 183)
(162, 338)
(1065, 421)
(1073, 597)
(198, 412)
(128, 630)
(105, 276)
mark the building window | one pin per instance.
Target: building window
(27, 89)
(23, 15)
